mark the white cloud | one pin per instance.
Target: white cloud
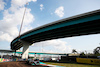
(41, 7)
(5, 36)
(60, 11)
(34, 0)
(2, 5)
(26, 28)
(48, 51)
(58, 45)
(20, 3)
(12, 17)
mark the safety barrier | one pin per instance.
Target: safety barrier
(14, 59)
(88, 61)
(1, 59)
(5, 60)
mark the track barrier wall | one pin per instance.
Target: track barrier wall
(1, 59)
(88, 61)
(7, 60)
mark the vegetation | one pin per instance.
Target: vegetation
(96, 51)
(82, 54)
(72, 64)
(74, 51)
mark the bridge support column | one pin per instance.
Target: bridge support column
(25, 49)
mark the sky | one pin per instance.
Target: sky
(40, 12)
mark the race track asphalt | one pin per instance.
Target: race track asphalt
(17, 64)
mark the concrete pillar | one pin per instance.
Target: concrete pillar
(35, 56)
(25, 49)
(15, 53)
(1, 55)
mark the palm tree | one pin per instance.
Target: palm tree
(74, 51)
(96, 50)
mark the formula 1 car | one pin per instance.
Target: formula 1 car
(33, 62)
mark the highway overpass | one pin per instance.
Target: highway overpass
(83, 24)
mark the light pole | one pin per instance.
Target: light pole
(86, 53)
(42, 48)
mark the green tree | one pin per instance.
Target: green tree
(96, 50)
(74, 51)
(82, 54)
